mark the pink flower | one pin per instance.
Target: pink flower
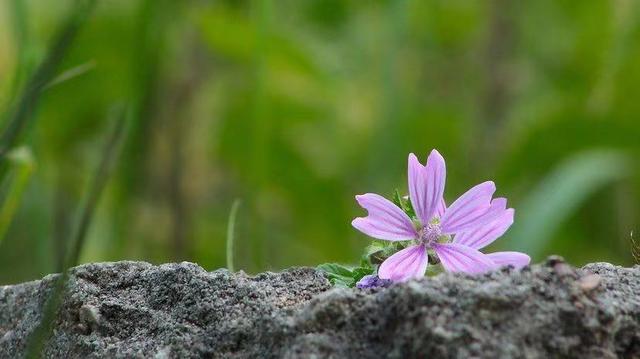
(454, 233)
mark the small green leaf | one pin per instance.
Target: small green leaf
(340, 283)
(378, 251)
(360, 272)
(374, 253)
(404, 204)
(341, 276)
(335, 269)
(375, 246)
(397, 198)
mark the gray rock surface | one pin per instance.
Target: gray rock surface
(134, 309)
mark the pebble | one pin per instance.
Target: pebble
(589, 282)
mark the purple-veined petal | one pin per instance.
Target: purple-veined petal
(417, 177)
(406, 264)
(484, 235)
(436, 172)
(469, 209)
(441, 208)
(516, 259)
(385, 220)
(460, 258)
(496, 209)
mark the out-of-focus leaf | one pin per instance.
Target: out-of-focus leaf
(341, 276)
(20, 30)
(19, 116)
(107, 162)
(233, 35)
(71, 73)
(559, 195)
(22, 165)
(229, 33)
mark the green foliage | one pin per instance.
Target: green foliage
(21, 113)
(22, 165)
(558, 196)
(404, 203)
(297, 106)
(38, 338)
(374, 255)
(341, 276)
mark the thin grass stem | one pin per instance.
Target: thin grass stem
(231, 225)
(40, 335)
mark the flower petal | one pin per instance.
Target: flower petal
(468, 210)
(441, 209)
(460, 258)
(515, 259)
(385, 220)
(482, 236)
(436, 173)
(417, 177)
(406, 264)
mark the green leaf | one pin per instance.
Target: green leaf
(360, 272)
(397, 198)
(335, 269)
(22, 165)
(341, 276)
(338, 275)
(285, 50)
(21, 114)
(374, 252)
(404, 204)
(339, 283)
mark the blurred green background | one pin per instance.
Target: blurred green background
(294, 107)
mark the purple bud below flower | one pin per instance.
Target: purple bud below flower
(372, 281)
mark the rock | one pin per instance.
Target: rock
(134, 309)
(589, 282)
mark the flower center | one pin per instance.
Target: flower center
(429, 234)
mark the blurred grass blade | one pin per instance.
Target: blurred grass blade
(18, 117)
(20, 32)
(559, 195)
(40, 335)
(97, 186)
(71, 74)
(23, 164)
(231, 226)
(635, 248)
